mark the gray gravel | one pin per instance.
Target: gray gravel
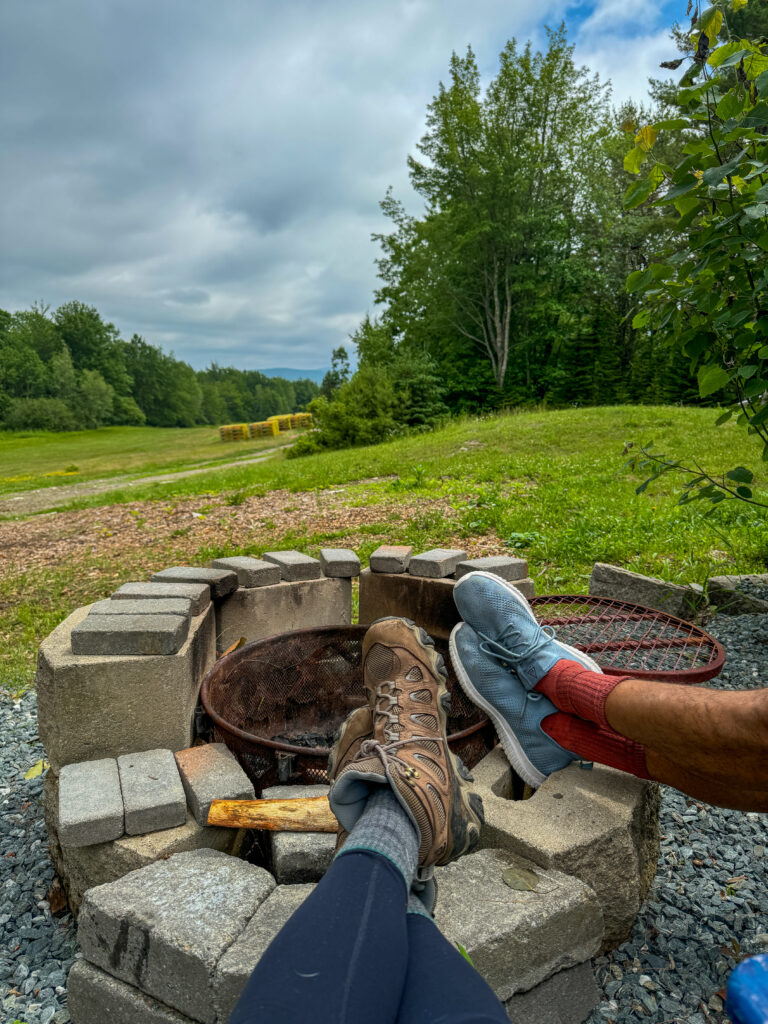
(699, 918)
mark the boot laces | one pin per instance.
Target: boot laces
(384, 703)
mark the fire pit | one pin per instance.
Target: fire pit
(277, 703)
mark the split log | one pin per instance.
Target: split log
(304, 814)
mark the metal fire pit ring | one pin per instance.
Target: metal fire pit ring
(301, 685)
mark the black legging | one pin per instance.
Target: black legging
(350, 954)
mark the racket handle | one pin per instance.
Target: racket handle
(747, 995)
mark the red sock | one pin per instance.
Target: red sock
(578, 691)
(592, 743)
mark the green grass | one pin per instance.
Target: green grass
(549, 486)
(43, 459)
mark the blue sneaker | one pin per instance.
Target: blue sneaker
(508, 630)
(515, 711)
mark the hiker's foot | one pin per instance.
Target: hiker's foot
(508, 631)
(408, 750)
(516, 712)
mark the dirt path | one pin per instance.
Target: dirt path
(29, 502)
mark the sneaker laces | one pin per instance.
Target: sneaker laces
(508, 658)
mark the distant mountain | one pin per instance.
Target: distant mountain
(288, 374)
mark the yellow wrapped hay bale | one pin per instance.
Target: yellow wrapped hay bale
(283, 422)
(264, 428)
(301, 420)
(234, 432)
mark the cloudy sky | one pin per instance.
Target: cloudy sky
(208, 174)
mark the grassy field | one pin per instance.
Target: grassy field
(548, 485)
(41, 459)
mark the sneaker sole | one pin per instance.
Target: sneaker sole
(516, 756)
(467, 815)
(578, 655)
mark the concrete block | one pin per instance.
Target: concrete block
(619, 584)
(722, 592)
(153, 796)
(91, 707)
(83, 867)
(602, 826)
(251, 572)
(164, 928)
(129, 634)
(391, 558)
(500, 565)
(198, 593)
(568, 997)
(516, 938)
(220, 581)
(294, 566)
(93, 997)
(211, 772)
(90, 803)
(339, 562)
(266, 611)
(299, 856)
(437, 563)
(160, 606)
(237, 964)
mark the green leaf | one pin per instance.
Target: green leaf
(748, 371)
(641, 319)
(713, 175)
(711, 22)
(520, 879)
(763, 353)
(736, 5)
(635, 159)
(730, 105)
(728, 55)
(744, 492)
(637, 193)
(712, 378)
(688, 184)
(741, 475)
(637, 279)
(756, 211)
(674, 123)
(464, 953)
(761, 83)
(724, 417)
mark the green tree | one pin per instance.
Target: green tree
(706, 295)
(93, 343)
(338, 373)
(96, 399)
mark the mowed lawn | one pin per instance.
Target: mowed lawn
(30, 460)
(550, 486)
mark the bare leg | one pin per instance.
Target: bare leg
(711, 744)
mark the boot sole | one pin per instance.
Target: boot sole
(580, 656)
(467, 815)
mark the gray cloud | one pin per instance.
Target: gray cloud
(208, 175)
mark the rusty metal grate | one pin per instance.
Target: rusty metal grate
(627, 639)
(277, 703)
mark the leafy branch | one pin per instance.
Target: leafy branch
(702, 485)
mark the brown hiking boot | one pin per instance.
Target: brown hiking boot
(405, 679)
(356, 727)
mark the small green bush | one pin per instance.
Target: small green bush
(39, 414)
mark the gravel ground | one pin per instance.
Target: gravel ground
(708, 905)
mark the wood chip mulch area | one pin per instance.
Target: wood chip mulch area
(136, 531)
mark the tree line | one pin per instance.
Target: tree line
(69, 369)
(510, 287)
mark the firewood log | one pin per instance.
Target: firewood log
(304, 814)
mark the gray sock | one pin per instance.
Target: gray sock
(386, 829)
(415, 906)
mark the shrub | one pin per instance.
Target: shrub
(39, 414)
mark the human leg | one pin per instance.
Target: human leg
(441, 987)
(343, 955)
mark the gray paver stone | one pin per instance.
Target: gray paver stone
(90, 803)
(238, 962)
(294, 565)
(619, 584)
(516, 938)
(437, 563)
(221, 581)
(390, 558)
(507, 568)
(211, 772)
(164, 928)
(158, 606)
(129, 635)
(568, 997)
(94, 997)
(339, 562)
(251, 572)
(299, 856)
(198, 593)
(153, 795)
